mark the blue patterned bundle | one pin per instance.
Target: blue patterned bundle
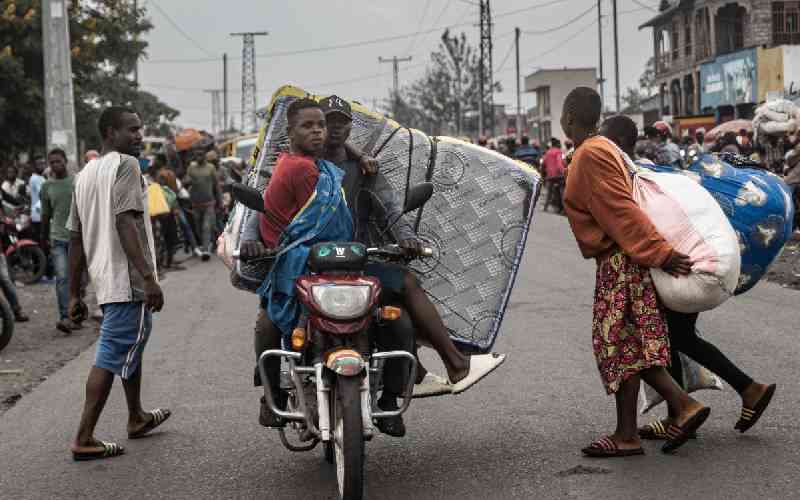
(758, 205)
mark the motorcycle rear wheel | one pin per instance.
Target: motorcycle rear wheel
(348, 437)
(27, 264)
(7, 318)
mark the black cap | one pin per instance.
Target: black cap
(335, 104)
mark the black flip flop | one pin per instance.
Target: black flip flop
(606, 447)
(679, 435)
(751, 415)
(159, 416)
(109, 450)
(657, 430)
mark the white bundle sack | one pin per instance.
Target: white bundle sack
(778, 128)
(691, 220)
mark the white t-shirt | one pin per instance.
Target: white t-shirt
(106, 187)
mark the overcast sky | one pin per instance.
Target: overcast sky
(184, 60)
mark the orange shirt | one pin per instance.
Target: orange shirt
(602, 211)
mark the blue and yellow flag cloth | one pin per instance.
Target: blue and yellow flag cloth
(325, 217)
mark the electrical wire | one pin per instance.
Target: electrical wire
(360, 43)
(421, 22)
(508, 54)
(556, 28)
(180, 30)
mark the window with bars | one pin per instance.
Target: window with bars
(785, 22)
(675, 40)
(687, 35)
(703, 30)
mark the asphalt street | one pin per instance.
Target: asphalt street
(517, 434)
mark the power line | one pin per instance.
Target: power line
(180, 30)
(421, 22)
(644, 5)
(508, 54)
(556, 28)
(360, 43)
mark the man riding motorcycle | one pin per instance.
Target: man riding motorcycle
(374, 206)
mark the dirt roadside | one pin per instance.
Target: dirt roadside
(786, 268)
(37, 349)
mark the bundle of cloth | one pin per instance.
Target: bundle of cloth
(776, 118)
(757, 205)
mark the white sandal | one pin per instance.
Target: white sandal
(480, 365)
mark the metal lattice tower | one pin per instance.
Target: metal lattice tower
(486, 98)
(249, 89)
(216, 111)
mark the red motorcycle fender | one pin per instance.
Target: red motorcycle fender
(19, 244)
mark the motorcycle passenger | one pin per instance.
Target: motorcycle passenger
(372, 199)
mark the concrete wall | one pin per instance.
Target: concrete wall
(561, 82)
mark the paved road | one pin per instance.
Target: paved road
(516, 435)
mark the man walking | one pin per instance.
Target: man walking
(56, 201)
(206, 199)
(111, 233)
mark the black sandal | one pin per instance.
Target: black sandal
(606, 447)
(678, 435)
(109, 450)
(657, 430)
(750, 416)
(158, 417)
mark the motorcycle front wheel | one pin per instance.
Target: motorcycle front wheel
(348, 437)
(27, 264)
(7, 326)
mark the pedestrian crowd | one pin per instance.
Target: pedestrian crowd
(188, 207)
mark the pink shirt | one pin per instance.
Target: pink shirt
(554, 163)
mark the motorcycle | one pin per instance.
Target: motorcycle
(333, 369)
(27, 262)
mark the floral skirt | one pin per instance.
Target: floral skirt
(629, 330)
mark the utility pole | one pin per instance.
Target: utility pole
(396, 84)
(616, 53)
(455, 55)
(519, 99)
(602, 79)
(249, 89)
(224, 92)
(58, 96)
(216, 118)
(136, 39)
(486, 99)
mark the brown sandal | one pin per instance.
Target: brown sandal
(606, 447)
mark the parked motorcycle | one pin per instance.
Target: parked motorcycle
(27, 262)
(333, 368)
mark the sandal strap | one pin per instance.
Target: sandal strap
(605, 443)
(747, 414)
(159, 416)
(110, 449)
(658, 428)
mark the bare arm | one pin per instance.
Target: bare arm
(130, 225)
(77, 265)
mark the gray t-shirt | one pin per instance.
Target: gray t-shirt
(106, 187)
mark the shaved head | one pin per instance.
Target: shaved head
(622, 131)
(582, 110)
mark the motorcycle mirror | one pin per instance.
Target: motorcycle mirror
(418, 196)
(247, 196)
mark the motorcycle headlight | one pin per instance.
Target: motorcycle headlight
(342, 301)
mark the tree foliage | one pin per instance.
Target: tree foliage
(106, 40)
(633, 97)
(449, 89)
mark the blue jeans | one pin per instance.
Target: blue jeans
(7, 284)
(59, 250)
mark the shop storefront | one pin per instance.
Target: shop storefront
(729, 85)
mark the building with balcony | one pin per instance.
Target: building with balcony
(551, 87)
(720, 58)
